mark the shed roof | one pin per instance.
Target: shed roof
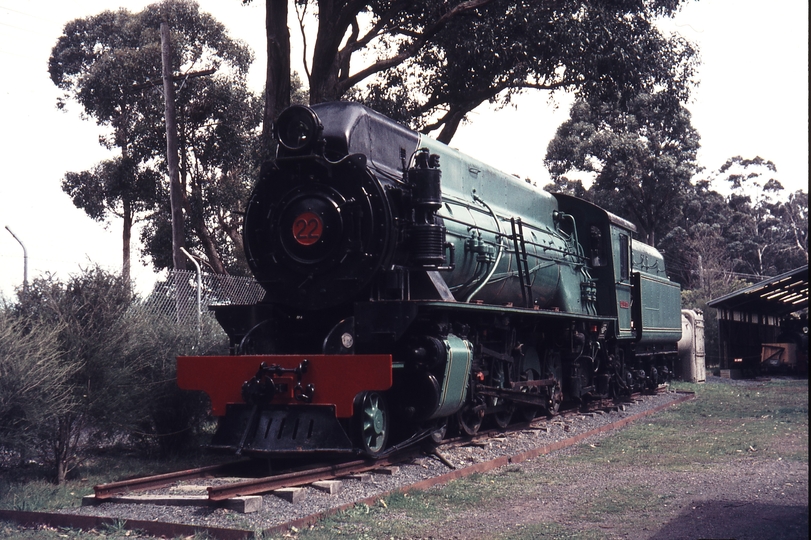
(779, 295)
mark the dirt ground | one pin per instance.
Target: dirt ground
(757, 500)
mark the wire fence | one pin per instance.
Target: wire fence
(180, 297)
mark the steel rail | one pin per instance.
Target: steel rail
(106, 491)
(300, 478)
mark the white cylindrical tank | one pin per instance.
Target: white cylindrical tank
(691, 346)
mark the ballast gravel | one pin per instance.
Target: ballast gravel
(276, 511)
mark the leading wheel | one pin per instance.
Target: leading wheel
(371, 423)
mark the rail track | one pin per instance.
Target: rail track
(320, 472)
(222, 487)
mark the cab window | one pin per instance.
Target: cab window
(625, 259)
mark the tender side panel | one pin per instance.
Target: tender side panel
(659, 309)
(337, 379)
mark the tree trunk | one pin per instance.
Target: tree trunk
(277, 80)
(325, 67)
(175, 191)
(233, 233)
(62, 448)
(209, 246)
(452, 121)
(126, 241)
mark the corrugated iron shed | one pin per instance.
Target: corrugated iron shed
(778, 296)
(761, 314)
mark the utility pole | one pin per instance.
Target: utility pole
(175, 191)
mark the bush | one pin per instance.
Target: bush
(83, 362)
(171, 417)
(33, 381)
(80, 316)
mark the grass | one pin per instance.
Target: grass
(114, 532)
(29, 489)
(724, 422)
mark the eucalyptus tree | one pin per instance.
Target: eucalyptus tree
(695, 248)
(430, 62)
(218, 125)
(793, 214)
(641, 156)
(736, 222)
(110, 64)
(119, 187)
(767, 230)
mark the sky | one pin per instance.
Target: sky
(752, 101)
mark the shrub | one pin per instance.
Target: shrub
(33, 381)
(171, 417)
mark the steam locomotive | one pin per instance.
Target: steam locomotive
(411, 288)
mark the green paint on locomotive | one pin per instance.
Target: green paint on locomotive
(457, 375)
(659, 314)
(632, 281)
(478, 204)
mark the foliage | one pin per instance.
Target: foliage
(642, 157)
(431, 62)
(97, 191)
(737, 223)
(83, 363)
(767, 232)
(109, 64)
(170, 417)
(219, 149)
(33, 381)
(792, 214)
(81, 313)
(695, 248)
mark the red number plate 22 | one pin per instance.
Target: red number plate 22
(307, 228)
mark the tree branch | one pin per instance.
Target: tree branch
(411, 50)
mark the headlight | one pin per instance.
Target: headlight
(298, 128)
